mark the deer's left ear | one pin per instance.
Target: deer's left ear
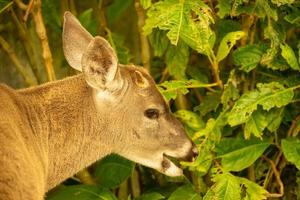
(100, 65)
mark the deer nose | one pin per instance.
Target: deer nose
(192, 155)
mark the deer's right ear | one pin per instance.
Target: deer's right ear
(75, 40)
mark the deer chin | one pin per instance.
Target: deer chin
(169, 168)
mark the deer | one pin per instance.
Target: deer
(50, 132)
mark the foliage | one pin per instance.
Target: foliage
(230, 70)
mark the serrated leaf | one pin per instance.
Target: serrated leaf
(274, 118)
(175, 17)
(267, 95)
(248, 57)
(289, 55)
(291, 150)
(224, 8)
(177, 58)
(253, 190)
(146, 3)
(191, 119)
(226, 187)
(230, 93)
(227, 43)
(256, 124)
(112, 170)
(202, 163)
(238, 154)
(293, 16)
(151, 196)
(81, 192)
(264, 9)
(282, 2)
(169, 89)
(213, 128)
(159, 42)
(278, 63)
(210, 103)
(186, 192)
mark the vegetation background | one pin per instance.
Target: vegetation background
(229, 68)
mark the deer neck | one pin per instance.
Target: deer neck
(65, 115)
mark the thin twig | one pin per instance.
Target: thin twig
(28, 10)
(278, 179)
(20, 4)
(41, 32)
(145, 48)
(29, 79)
(25, 37)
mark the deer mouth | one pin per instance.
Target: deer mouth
(169, 168)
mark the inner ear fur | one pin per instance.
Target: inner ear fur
(99, 63)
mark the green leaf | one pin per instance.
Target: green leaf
(112, 170)
(170, 88)
(224, 7)
(291, 150)
(226, 187)
(185, 192)
(282, 2)
(175, 17)
(253, 190)
(290, 57)
(274, 118)
(81, 192)
(293, 16)
(88, 21)
(238, 154)
(267, 95)
(227, 43)
(146, 3)
(213, 128)
(151, 196)
(278, 63)
(116, 10)
(210, 103)
(230, 92)
(190, 119)
(264, 9)
(202, 163)
(117, 42)
(248, 57)
(159, 42)
(4, 4)
(177, 58)
(256, 124)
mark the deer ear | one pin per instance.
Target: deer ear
(100, 64)
(75, 40)
(140, 80)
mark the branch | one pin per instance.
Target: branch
(30, 80)
(20, 4)
(41, 32)
(23, 34)
(278, 180)
(145, 48)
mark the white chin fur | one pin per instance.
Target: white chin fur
(173, 170)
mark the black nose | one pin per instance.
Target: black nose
(193, 153)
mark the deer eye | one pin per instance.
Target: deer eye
(152, 113)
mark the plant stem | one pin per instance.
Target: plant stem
(145, 48)
(215, 69)
(29, 79)
(123, 191)
(135, 184)
(41, 32)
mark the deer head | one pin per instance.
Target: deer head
(137, 121)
